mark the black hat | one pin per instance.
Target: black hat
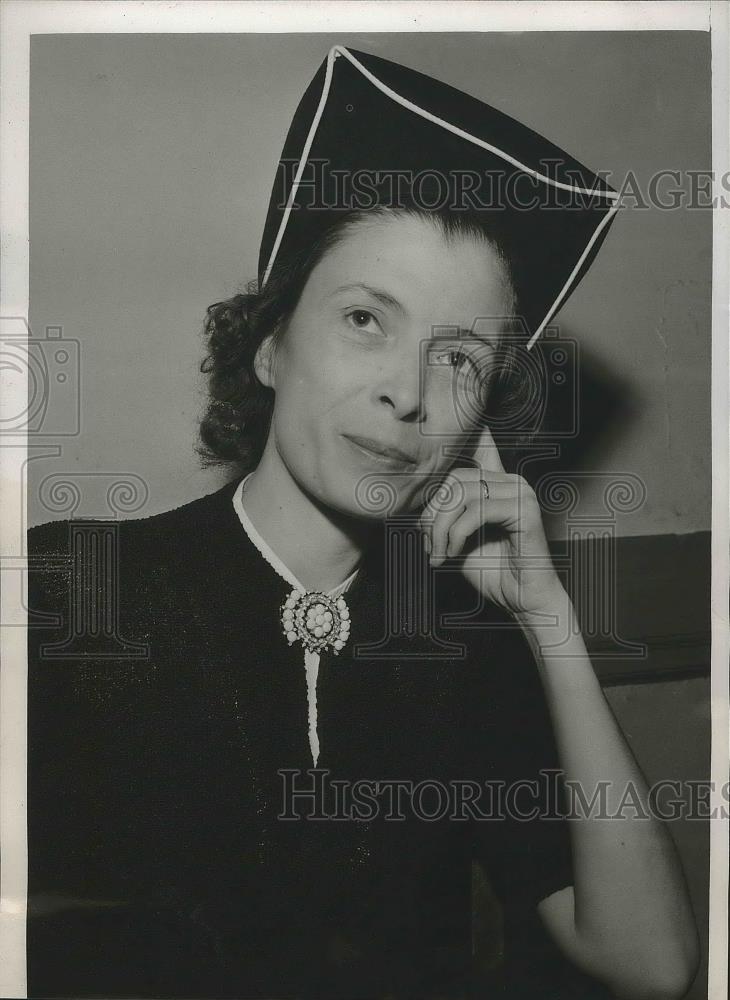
(371, 132)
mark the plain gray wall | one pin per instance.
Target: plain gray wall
(152, 159)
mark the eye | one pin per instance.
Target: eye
(362, 319)
(456, 358)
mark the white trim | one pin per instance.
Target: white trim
(338, 50)
(288, 16)
(331, 56)
(610, 195)
(311, 672)
(261, 544)
(311, 659)
(268, 553)
(719, 874)
(566, 287)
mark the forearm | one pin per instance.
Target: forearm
(631, 904)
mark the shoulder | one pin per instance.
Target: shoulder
(170, 527)
(170, 552)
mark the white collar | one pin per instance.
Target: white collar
(311, 659)
(268, 553)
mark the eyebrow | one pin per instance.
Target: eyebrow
(388, 300)
(377, 293)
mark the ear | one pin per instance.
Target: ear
(263, 362)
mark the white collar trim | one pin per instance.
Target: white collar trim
(268, 553)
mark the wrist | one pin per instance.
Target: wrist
(554, 604)
(552, 629)
(554, 635)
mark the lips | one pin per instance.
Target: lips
(385, 453)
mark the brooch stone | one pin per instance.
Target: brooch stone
(316, 620)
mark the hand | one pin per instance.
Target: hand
(500, 541)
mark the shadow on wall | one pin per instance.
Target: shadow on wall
(601, 404)
(586, 407)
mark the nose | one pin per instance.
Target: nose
(399, 387)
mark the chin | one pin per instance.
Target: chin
(367, 496)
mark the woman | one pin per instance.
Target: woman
(215, 771)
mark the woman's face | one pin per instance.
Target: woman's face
(385, 362)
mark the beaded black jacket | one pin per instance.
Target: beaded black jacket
(167, 732)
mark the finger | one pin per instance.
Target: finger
(446, 503)
(486, 453)
(449, 495)
(439, 532)
(444, 510)
(460, 485)
(450, 527)
(500, 513)
(507, 487)
(512, 505)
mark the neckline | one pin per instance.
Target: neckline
(265, 550)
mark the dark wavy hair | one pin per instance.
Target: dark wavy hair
(236, 423)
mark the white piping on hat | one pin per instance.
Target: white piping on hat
(331, 55)
(611, 195)
(566, 287)
(338, 50)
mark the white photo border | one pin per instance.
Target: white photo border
(19, 19)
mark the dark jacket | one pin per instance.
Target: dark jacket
(164, 702)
